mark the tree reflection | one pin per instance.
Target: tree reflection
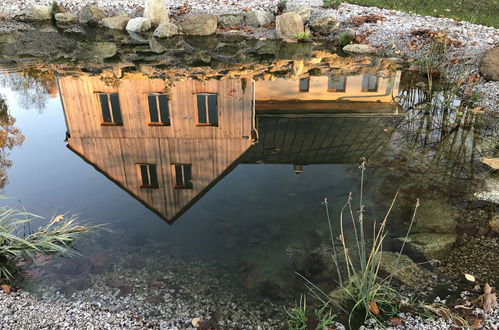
(10, 136)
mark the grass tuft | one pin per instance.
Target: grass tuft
(331, 4)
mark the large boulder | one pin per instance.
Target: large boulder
(489, 66)
(304, 12)
(115, 22)
(258, 18)
(289, 26)
(230, 19)
(166, 30)
(325, 25)
(38, 13)
(200, 25)
(66, 17)
(431, 245)
(91, 14)
(359, 49)
(139, 24)
(157, 11)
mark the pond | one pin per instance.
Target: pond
(209, 166)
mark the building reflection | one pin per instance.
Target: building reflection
(167, 145)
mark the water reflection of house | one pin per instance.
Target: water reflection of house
(168, 148)
(164, 149)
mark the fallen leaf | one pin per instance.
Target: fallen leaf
(476, 323)
(5, 288)
(469, 277)
(373, 307)
(195, 321)
(395, 321)
(42, 259)
(58, 218)
(487, 289)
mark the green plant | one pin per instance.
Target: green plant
(300, 320)
(362, 293)
(303, 36)
(18, 244)
(331, 3)
(345, 38)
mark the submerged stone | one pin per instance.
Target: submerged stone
(115, 22)
(289, 26)
(202, 25)
(431, 246)
(157, 11)
(401, 267)
(166, 30)
(91, 14)
(434, 216)
(139, 24)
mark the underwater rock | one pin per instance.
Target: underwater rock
(289, 25)
(431, 246)
(401, 267)
(494, 223)
(201, 25)
(434, 216)
(115, 22)
(258, 18)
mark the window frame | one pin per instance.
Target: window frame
(308, 85)
(207, 110)
(336, 90)
(151, 184)
(186, 184)
(158, 109)
(112, 113)
(369, 90)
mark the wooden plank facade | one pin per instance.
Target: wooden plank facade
(117, 151)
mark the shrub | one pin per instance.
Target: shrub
(303, 36)
(331, 3)
(301, 319)
(345, 38)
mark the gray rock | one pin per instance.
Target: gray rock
(230, 19)
(431, 246)
(66, 17)
(91, 14)
(38, 13)
(434, 216)
(201, 25)
(139, 24)
(304, 12)
(157, 11)
(289, 25)
(359, 49)
(166, 30)
(325, 25)
(258, 18)
(401, 267)
(115, 22)
(489, 66)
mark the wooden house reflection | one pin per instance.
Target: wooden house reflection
(168, 146)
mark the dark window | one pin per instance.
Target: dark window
(207, 109)
(369, 83)
(159, 113)
(110, 107)
(148, 176)
(304, 84)
(183, 176)
(336, 83)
